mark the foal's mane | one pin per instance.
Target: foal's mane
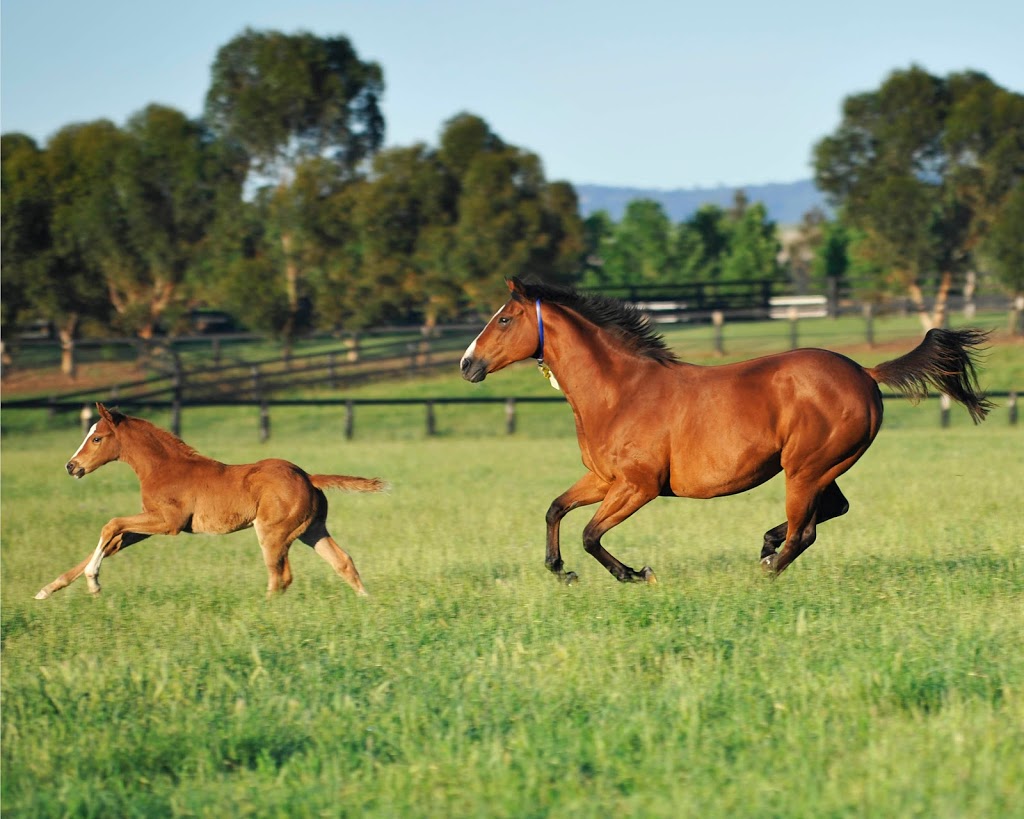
(624, 321)
(142, 427)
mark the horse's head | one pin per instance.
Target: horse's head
(101, 445)
(511, 335)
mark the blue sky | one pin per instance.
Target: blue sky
(642, 93)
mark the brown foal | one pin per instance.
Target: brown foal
(183, 491)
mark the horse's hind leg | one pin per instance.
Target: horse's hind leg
(119, 542)
(324, 545)
(805, 514)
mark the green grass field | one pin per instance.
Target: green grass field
(882, 675)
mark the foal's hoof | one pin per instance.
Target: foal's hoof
(42, 594)
(768, 564)
(647, 576)
(570, 578)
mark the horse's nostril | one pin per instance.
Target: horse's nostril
(70, 467)
(464, 364)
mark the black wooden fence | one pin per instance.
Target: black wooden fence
(86, 412)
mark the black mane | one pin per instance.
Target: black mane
(625, 321)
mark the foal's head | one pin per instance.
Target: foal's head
(510, 336)
(101, 445)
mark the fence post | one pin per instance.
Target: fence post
(86, 418)
(869, 323)
(431, 420)
(794, 333)
(216, 351)
(255, 372)
(510, 415)
(1017, 317)
(264, 421)
(350, 419)
(332, 375)
(944, 404)
(718, 320)
(832, 286)
(1011, 405)
(176, 401)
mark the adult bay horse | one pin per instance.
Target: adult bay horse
(183, 491)
(649, 424)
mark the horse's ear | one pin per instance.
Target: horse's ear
(112, 418)
(516, 286)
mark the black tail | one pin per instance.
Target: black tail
(946, 360)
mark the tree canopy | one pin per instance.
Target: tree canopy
(923, 167)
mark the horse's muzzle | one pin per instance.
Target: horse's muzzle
(74, 470)
(473, 369)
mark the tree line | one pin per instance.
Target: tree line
(280, 206)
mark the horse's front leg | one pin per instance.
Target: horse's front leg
(587, 490)
(116, 545)
(622, 500)
(145, 524)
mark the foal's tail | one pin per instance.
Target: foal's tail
(946, 360)
(348, 483)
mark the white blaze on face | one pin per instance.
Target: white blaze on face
(472, 347)
(88, 435)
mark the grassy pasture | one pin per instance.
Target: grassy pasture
(883, 674)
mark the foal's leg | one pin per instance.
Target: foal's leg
(274, 544)
(111, 541)
(832, 504)
(621, 501)
(324, 545)
(117, 544)
(587, 490)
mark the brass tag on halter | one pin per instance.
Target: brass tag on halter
(545, 370)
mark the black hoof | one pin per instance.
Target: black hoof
(569, 578)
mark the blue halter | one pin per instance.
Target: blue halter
(540, 332)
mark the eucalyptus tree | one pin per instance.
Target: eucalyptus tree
(173, 183)
(289, 100)
(753, 246)
(704, 243)
(510, 220)
(25, 206)
(66, 284)
(640, 248)
(1003, 248)
(921, 167)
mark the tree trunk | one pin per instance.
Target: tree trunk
(6, 362)
(291, 286)
(937, 316)
(941, 300)
(917, 297)
(67, 333)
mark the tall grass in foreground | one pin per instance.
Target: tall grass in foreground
(883, 674)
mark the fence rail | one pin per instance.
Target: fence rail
(429, 405)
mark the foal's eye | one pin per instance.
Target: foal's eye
(504, 321)
(97, 440)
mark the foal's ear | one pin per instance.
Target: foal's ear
(107, 415)
(516, 286)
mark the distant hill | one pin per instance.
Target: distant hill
(787, 202)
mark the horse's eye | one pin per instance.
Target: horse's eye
(504, 321)
(97, 440)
